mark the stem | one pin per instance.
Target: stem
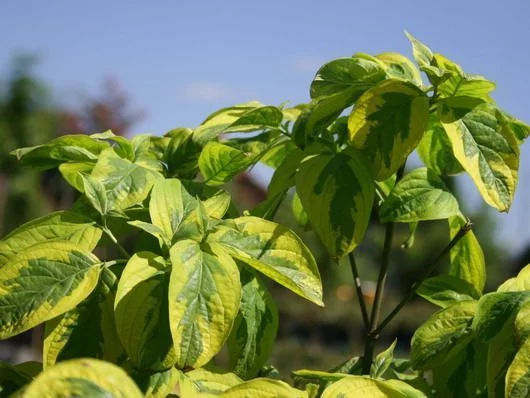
(380, 288)
(359, 290)
(428, 270)
(109, 233)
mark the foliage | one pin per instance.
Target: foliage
(152, 321)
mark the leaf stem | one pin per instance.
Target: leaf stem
(359, 290)
(109, 233)
(427, 271)
(380, 288)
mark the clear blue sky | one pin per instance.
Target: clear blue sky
(180, 60)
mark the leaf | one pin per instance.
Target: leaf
(157, 384)
(67, 148)
(383, 361)
(96, 194)
(422, 53)
(166, 206)
(219, 163)
(488, 152)
(436, 152)
(317, 375)
(181, 153)
(387, 123)
(273, 250)
(83, 377)
(122, 146)
(518, 375)
(343, 74)
(421, 195)
(251, 116)
(204, 297)
(520, 283)
(204, 384)
(73, 172)
(363, 386)
(127, 184)
(284, 176)
(495, 310)
(398, 66)
(337, 193)
(467, 258)
(460, 84)
(142, 312)
(11, 379)
(443, 335)
(301, 216)
(252, 338)
(42, 282)
(263, 388)
(86, 331)
(446, 290)
(56, 226)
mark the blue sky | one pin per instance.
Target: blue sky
(180, 60)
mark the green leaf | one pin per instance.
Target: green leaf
(122, 146)
(520, 283)
(67, 148)
(495, 311)
(466, 257)
(96, 194)
(157, 384)
(387, 123)
(42, 282)
(181, 153)
(202, 383)
(518, 375)
(251, 116)
(353, 73)
(363, 386)
(11, 379)
(436, 152)
(284, 176)
(383, 361)
(443, 335)
(151, 230)
(263, 388)
(454, 108)
(57, 226)
(422, 53)
(219, 163)
(398, 66)
(83, 378)
(127, 184)
(252, 338)
(204, 298)
(86, 331)
(489, 152)
(420, 195)
(445, 290)
(273, 250)
(337, 193)
(142, 312)
(317, 375)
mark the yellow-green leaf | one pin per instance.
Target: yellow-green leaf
(466, 257)
(520, 283)
(157, 384)
(387, 124)
(363, 386)
(57, 226)
(166, 206)
(83, 378)
(263, 388)
(273, 250)
(518, 374)
(42, 282)
(337, 192)
(88, 330)
(398, 66)
(202, 383)
(204, 297)
(487, 150)
(142, 314)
